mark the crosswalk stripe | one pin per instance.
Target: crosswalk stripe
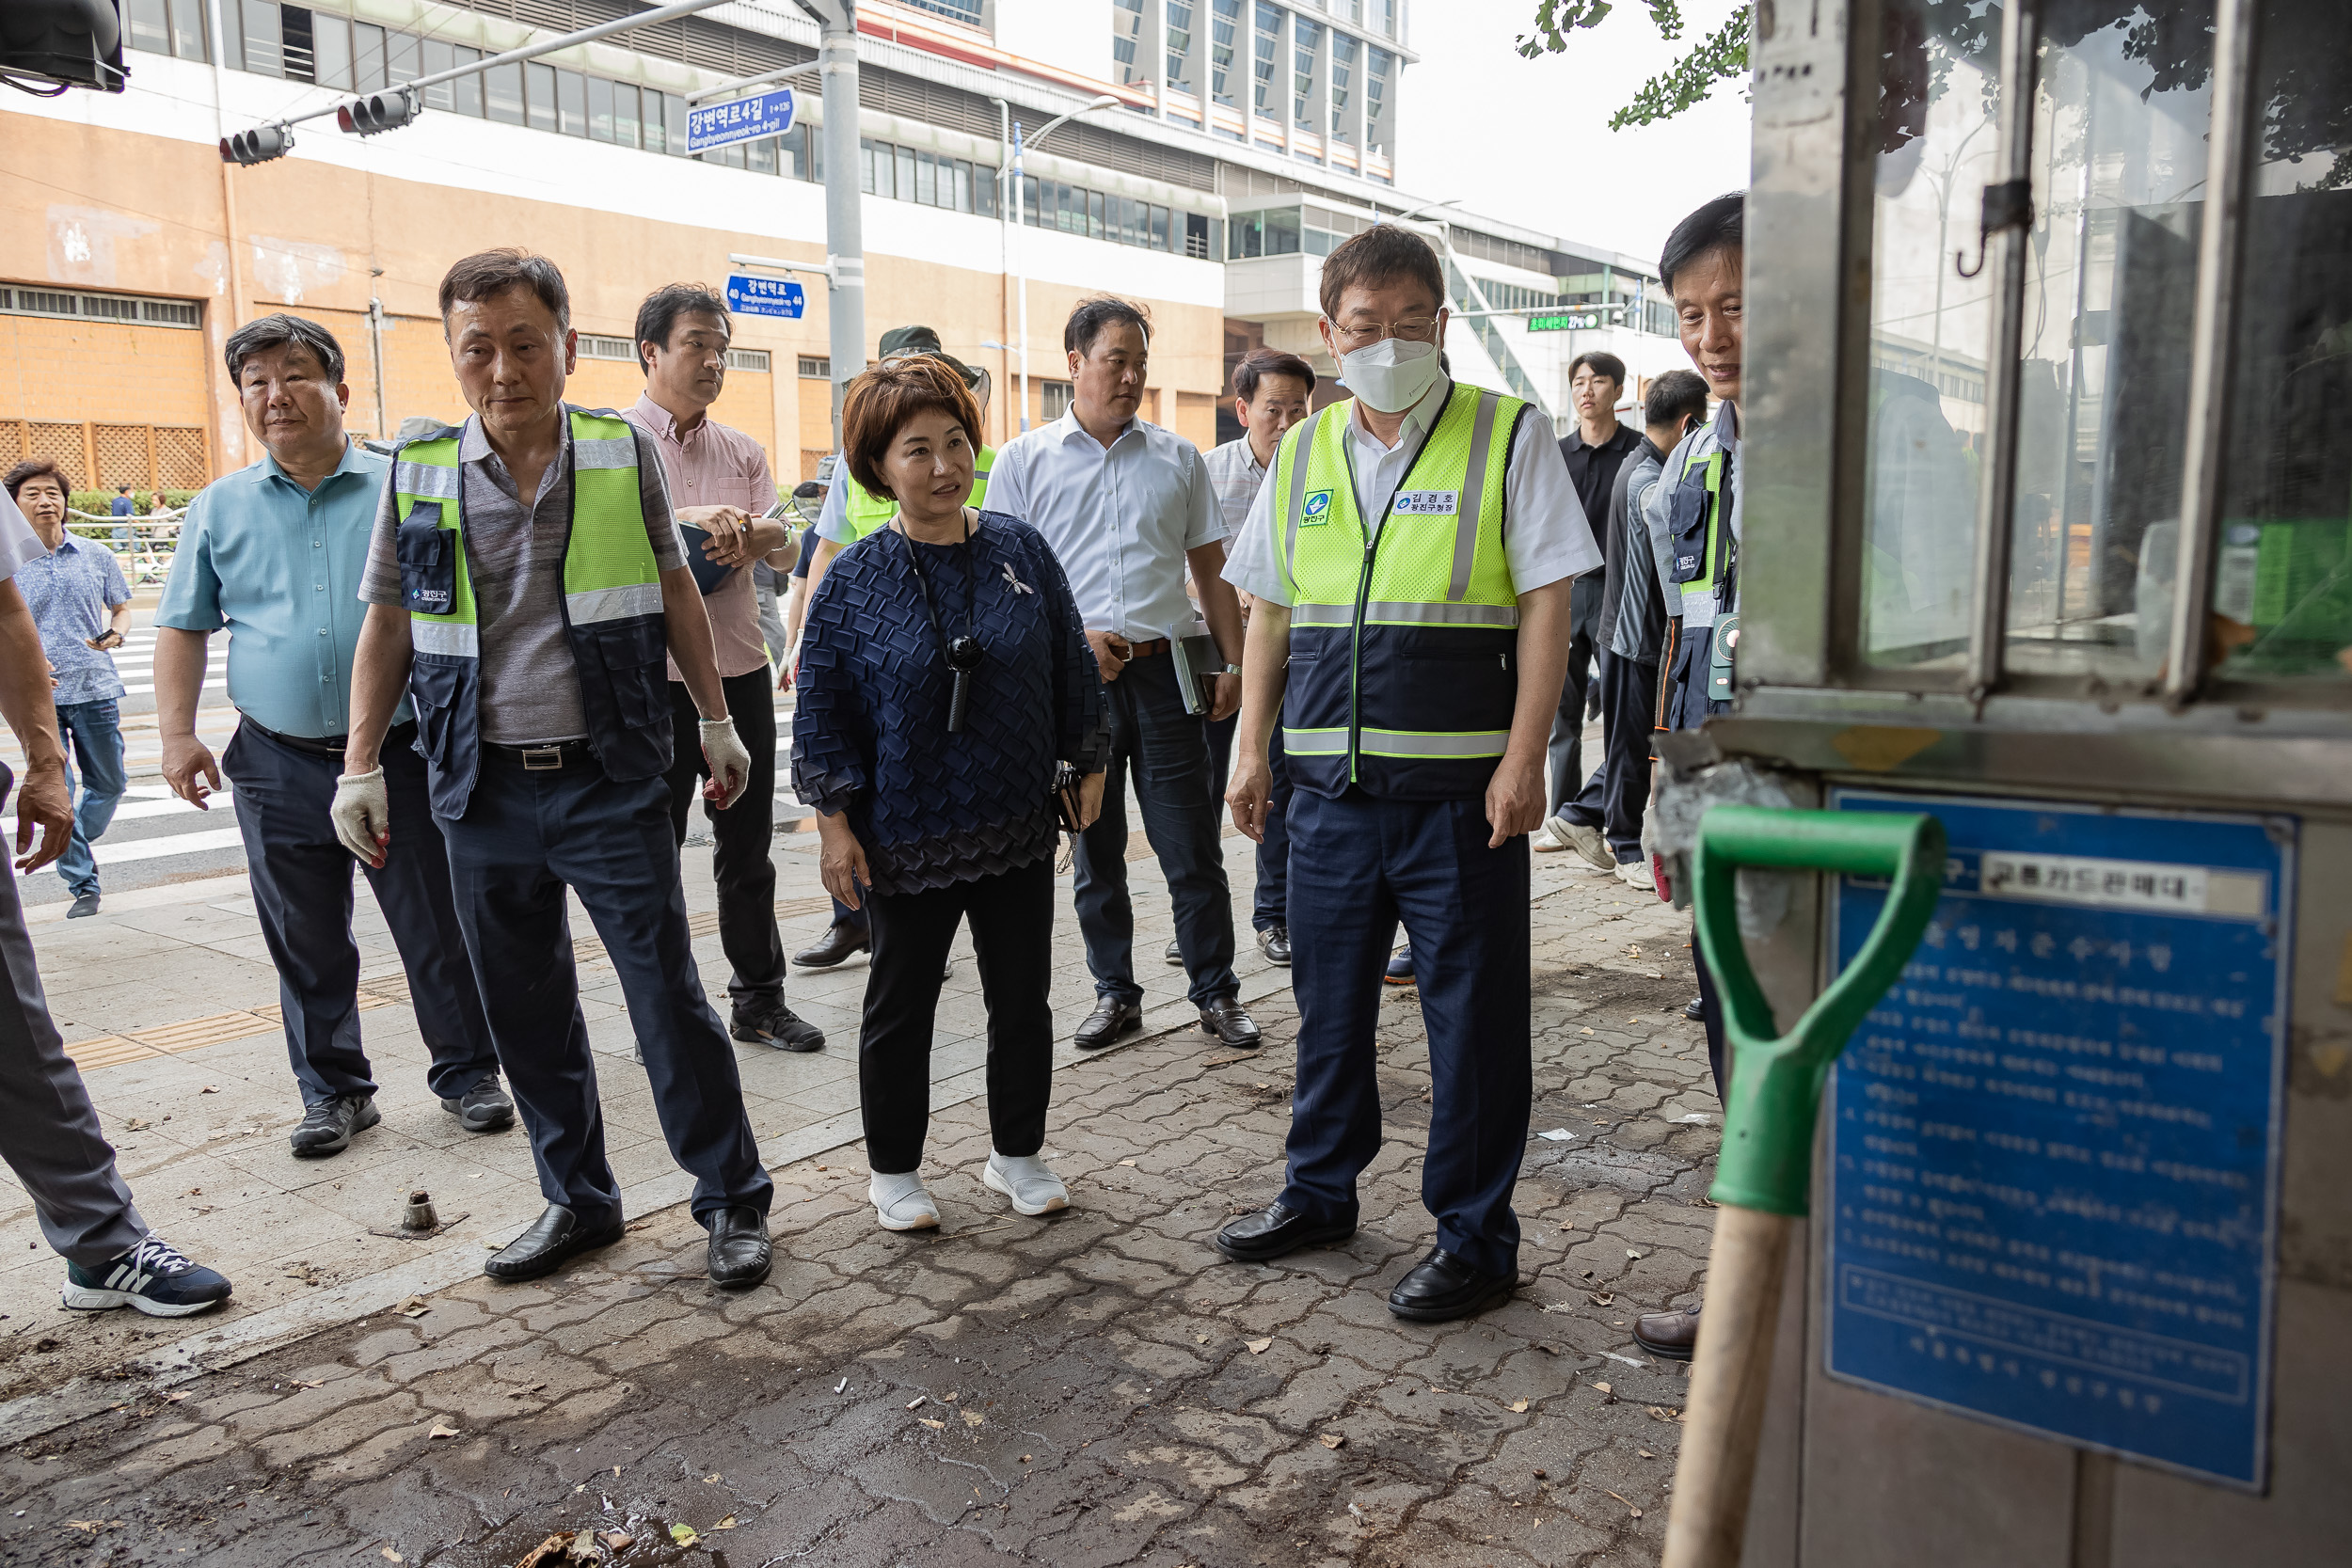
(171, 844)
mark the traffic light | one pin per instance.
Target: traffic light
(379, 111)
(47, 46)
(257, 146)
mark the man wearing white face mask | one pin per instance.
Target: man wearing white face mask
(1415, 651)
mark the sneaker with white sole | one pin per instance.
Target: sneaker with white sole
(1545, 841)
(1585, 841)
(1637, 874)
(1028, 1181)
(154, 1276)
(901, 1203)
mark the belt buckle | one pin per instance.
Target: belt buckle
(542, 759)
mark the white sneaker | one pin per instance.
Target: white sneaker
(1032, 1186)
(1585, 841)
(1637, 874)
(900, 1202)
(1545, 841)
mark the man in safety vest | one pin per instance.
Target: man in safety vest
(1697, 498)
(851, 513)
(532, 635)
(1415, 651)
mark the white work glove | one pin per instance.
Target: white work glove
(362, 814)
(730, 765)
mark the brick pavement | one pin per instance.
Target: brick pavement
(1096, 1387)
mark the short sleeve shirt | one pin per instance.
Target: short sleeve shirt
(71, 591)
(515, 561)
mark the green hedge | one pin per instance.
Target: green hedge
(99, 502)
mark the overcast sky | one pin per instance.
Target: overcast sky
(1529, 140)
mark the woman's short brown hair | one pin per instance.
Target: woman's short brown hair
(882, 401)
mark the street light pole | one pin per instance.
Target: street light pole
(844, 232)
(1106, 101)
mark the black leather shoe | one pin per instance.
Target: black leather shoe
(327, 1127)
(483, 1108)
(1669, 1336)
(841, 940)
(740, 1253)
(1276, 1230)
(766, 1021)
(84, 907)
(1275, 943)
(1174, 954)
(1230, 1022)
(1695, 1009)
(554, 1239)
(1110, 1018)
(1400, 970)
(1443, 1287)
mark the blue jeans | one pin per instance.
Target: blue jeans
(1168, 749)
(93, 734)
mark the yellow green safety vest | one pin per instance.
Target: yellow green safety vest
(611, 608)
(1403, 634)
(867, 511)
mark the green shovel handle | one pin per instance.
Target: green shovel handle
(1776, 1081)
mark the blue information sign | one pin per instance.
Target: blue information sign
(762, 113)
(2054, 1143)
(748, 295)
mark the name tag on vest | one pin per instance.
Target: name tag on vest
(1426, 503)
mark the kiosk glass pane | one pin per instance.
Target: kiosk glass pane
(2282, 584)
(2119, 178)
(1938, 145)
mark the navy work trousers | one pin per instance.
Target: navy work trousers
(1358, 864)
(741, 863)
(1617, 794)
(1168, 749)
(1566, 751)
(526, 836)
(1270, 907)
(301, 876)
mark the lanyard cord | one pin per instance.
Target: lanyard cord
(971, 586)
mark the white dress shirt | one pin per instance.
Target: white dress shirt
(1545, 537)
(1121, 519)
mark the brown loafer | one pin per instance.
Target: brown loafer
(1669, 1336)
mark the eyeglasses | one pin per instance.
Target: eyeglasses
(1418, 329)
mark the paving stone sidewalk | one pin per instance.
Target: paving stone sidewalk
(1095, 1387)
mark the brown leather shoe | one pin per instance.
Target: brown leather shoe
(1669, 1336)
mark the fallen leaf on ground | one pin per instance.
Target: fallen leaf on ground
(1646, 1453)
(1584, 1031)
(583, 1547)
(1257, 1347)
(1126, 1161)
(1637, 1512)
(711, 1479)
(948, 1398)
(1664, 1413)
(684, 1535)
(391, 1556)
(442, 1429)
(414, 1307)
(1602, 1389)
(208, 1089)
(935, 1426)
(1601, 1298)
(617, 1542)
(137, 1124)
(553, 1546)
(175, 1396)
(728, 1523)
(1519, 1407)
(973, 1418)
(1332, 1439)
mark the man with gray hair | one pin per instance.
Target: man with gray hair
(274, 554)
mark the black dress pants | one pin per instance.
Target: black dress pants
(1617, 794)
(745, 870)
(1012, 937)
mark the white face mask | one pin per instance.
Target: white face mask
(1391, 375)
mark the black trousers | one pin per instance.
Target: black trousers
(302, 892)
(1617, 794)
(740, 854)
(1566, 747)
(1012, 937)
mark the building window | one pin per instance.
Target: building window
(1344, 48)
(1378, 63)
(1224, 33)
(1054, 396)
(1383, 17)
(816, 369)
(367, 57)
(751, 360)
(1267, 60)
(1126, 35)
(330, 51)
(597, 345)
(571, 102)
(1306, 56)
(166, 27)
(965, 11)
(541, 99)
(1179, 73)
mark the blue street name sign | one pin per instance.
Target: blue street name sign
(765, 297)
(762, 113)
(2054, 1154)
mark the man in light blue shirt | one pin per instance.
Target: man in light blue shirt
(1128, 506)
(275, 553)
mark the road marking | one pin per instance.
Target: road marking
(161, 848)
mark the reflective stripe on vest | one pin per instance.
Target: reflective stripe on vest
(1404, 626)
(865, 510)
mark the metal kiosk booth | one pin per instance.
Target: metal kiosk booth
(2047, 451)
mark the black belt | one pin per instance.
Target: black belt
(329, 748)
(554, 754)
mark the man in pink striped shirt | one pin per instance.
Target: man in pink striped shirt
(720, 483)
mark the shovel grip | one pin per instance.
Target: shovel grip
(1730, 1376)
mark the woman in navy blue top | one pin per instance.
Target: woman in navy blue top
(944, 678)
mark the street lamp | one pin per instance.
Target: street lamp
(1013, 194)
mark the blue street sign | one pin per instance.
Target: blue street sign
(765, 297)
(762, 113)
(2054, 1151)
